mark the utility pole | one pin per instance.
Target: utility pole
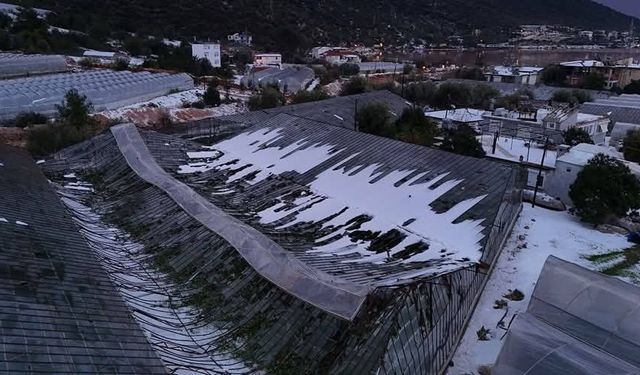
(539, 178)
(355, 117)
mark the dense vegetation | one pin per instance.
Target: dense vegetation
(293, 26)
(604, 188)
(631, 146)
(412, 126)
(575, 136)
(72, 125)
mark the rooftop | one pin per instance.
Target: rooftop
(59, 310)
(465, 115)
(581, 154)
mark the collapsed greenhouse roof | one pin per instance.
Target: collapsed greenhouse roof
(59, 312)
(407, 230)
(105, 89)
(578, 322)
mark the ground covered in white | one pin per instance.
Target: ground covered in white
(513, 149)
(538, 233)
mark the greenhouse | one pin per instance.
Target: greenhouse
(18, 65)
(105, 89)
(259, 253)
(578, 322)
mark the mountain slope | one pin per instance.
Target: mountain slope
(300, 23)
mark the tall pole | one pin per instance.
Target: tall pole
(355, 117)
(539, 178)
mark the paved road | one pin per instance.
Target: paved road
(329, 293)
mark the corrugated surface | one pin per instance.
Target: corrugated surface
(59, 312)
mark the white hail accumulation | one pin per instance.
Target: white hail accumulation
(344, 194)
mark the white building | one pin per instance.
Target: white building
(565, 118)
(268, 59)
(208, 51)
(524, 75)
(571, 163)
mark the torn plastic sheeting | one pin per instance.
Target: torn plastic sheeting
(331, 294)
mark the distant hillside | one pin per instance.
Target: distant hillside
(296, 24)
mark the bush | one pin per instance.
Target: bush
(463, 141)
(414, 127)
(212, 95)
(120, 65)
(631, 146)
(47, 139)
(555, 75)
(605, 187)
(575, 136)
(475, 74)
(308, 96)
(356, 85)
(268, 97)
(374, 119)
(571, 96)
(199, 104)
(348, 70)
(593, 81)
(632, 88)
(29, 118)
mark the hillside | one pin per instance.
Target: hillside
(297, 24)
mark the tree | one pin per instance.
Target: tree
(593, 81)
(211, 97)
(555, 75)
(462, 140)
(268, 97)
(574, 136)
(309, 96)
(348, 70)
(482, 95)
(605, 187)
(356, 85)
(571, 97)
(374, 118)
(452, 94)
(75, 110)
(420, 93)
(632, 88)
(475, 74)
(631, 146)
(414, 127)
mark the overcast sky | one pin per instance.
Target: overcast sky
(631, 7)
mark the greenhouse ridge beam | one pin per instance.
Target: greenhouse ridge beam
(270, 260)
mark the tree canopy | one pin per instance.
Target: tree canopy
(268, 97)
(574, 136)
(374, 118)
(604, 188)
(356, 85)
(631, 146)
(75, 109)
(462, 140)
(414, 127)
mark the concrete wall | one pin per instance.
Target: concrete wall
(557, 184)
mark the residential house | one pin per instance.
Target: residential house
(341, 56)
(208, 51)
(524, 75)
(569, 164)
(452, 118)
(268, 59)
(616, 73)
(240, 38)
(565, 118)
(290, 80)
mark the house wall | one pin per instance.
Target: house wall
(559, 182)
(268, 60)
(209, 51)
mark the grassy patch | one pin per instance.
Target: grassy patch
(625, 260)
